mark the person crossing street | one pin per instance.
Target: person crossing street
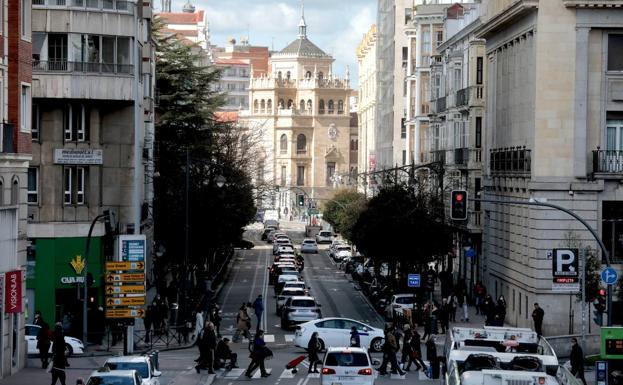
(258, 307)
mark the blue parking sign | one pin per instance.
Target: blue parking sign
(413, 280)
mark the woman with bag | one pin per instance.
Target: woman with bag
(259, 354)
(312, 350)
(59, 360)
(243, 323)
(416, 352)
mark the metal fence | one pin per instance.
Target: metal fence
(85, 67)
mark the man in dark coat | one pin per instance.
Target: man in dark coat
(537, 316)
(207, 345)
(577, 360)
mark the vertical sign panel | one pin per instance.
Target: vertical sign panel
(13, 292)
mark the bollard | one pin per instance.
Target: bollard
(156, 354)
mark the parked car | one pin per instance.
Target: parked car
(285, 277)
(267, 231)
(299, 309)
(142, 364)
(284, 295)
(336, 332)
(72, 345)
(243, 244)
(324, 236)
(105, 376)
(296, 285)
(344, 365)
(309, 246)
(341, 252)
(284, 249)
(398, 303)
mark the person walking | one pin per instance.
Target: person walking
(444, 315)
(406, 347)
(59, 360)
(500, 311)
(258, 307)
(416, 352)
(148, 322)
(577, 360)
(355, 340)
(216, 319)
(44, 341)
(389, 354)
(243, 322)
(431, 356)
(207, 345)
(259, 354)
(537, 316)
(312, 349)
(453, 300)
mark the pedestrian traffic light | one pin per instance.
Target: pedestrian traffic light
(458, 205)
(301, 199)
(600, 306)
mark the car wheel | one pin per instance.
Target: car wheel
(69, 351)
(376, 345)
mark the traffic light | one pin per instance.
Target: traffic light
(458, 205)
(301, 199)
(600, 307)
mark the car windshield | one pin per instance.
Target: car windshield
(341, 248)
(325, 234)
(110, 380)
(346, 359)
(303, 303)
(405, 300)
(309, 241)
(140, 367)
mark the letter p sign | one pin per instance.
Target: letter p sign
(565, 263)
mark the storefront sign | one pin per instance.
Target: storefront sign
(115, 266)
(78, 264)
(70, 280)
(13, 292)
(78, 156)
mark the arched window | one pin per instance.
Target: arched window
(301, 144)
(308, 75)
(283, 144)
(320, 75)
(269, 106)
(302, 105)
(290, 104)
(321, 107)
(263, 106)
(281, 106)
(15, 192)
(309, 106)
(255, 106)
(340, 107)
(279, 75)
(288, 75)
(331, 107)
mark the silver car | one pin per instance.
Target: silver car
(299, 309)
(309, 246)
(285, 295)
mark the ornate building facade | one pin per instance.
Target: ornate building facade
(302, 112)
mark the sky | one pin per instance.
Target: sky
(336, 26)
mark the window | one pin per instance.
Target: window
(269, 105)
(458, 79)
(283, 175)
(330, 173)
(74, 182)
(403, 128)
(25, 7)
(77, 119)
(478, 138)
(262, 105)
(321, 107)
(288, 75)
(405, 55)
(255, 106)
(404, 157)
(408, 15)
(479, 69)
(300, 175)
(25, 114)
(301, 144)
(15, 192)
(330, 107)
(283, 144)
(281, 104)
(615, 52)
(309, 106)
(320, 75)
(33, 185)
(38, 41)
(439, 38)
(477, 189)
(35, 123)
(340, 107)
(302, 105)
(308, 75)
(426, 47)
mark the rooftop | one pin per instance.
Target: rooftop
(182, 17)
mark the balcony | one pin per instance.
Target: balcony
(467, 157)
(8, 130)
(461, 156)
(82, 67)
(438, 156)
(608, 161)
(510, 160)
(462, 97)
(438, 106)
(87, 5)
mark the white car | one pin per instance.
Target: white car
(296, 285)
(105, 376)
(309, 246)
(342, 252)
(336, 332)
(398, 303)
(324, 236)
(347, 366)
(72, 345)
(142, 364)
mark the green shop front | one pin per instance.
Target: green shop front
(55, 279)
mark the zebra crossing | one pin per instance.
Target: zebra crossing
(268, 338)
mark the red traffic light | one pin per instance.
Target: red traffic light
(459, 197)
(602, 292)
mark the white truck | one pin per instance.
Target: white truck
(271, 215)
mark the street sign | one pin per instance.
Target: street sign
(566, 287)
(115, 266)
(312, 211)
(132, 247)
(125, 313)
(413, 280)
(125, 289)
(601, 372)
(130, 277)
(565, 263)
(609, 276)
(125, 301)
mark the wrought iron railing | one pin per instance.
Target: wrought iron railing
(113, 5)
(8, 130)
(510, 160)
(461, 156)
(607, 161)
(84, 67)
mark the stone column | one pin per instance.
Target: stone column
(581, 102)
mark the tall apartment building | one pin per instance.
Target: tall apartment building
(455, 134)
(303, 113)
(366, 106)
(15, 154)
(92, 139)
(190, 25)
(554, 123)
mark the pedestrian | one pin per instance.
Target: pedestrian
(480, 291)
(258, 307)
(429, 284)
(406, 346)
(207, 345)
(312, 349)
(489, 311)
(223, 353)
(431, 353)
(355, 340)
(444, 315)
(426, 314)
(465, 308)
(453, 300)
(390, 347)
(416, 352)
(577, 360)
(44, 341)
(259, 354)
(243, 322)
(500, 311)
(216, 318)
(537, 316)
(38, 318)
(59, 360)
(434, 318)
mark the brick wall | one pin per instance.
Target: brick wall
(20, 70)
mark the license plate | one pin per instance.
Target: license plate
(344, 378)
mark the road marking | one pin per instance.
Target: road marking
(289, 337)
(269, 338)
(313, 375)
(307, 379)
(397, 377)
(300, 381)
(257, 373)
(233, 374)
(287, 373)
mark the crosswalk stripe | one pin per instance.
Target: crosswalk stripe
(269, 338)
(257, 373)
(289, 337)
(234, 373)
(313, 375)
(287, 373)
